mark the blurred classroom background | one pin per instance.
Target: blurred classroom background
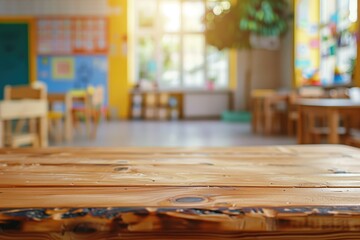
(179, 72)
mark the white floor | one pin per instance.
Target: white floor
(176, 134)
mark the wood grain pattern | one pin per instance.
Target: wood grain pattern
(152, 193)
(188, 236)
(278, 167)
(48, 197)
(329, 103)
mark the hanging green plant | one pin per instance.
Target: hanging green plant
(233, 27)
(265, 17)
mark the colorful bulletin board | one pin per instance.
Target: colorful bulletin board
(307, 52)
(70, 35)
(325, 41)
(74, 72)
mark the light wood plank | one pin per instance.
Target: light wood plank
(22, 109)
(206, 197)
(272, 167)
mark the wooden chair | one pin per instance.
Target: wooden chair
(339, 93)
(90, 109)
(60, 126)
(316, 121)
(292, 113)
(354, 94)
(354, 126)
(275, 108)
(353, 138)
(25, 132)
(258, 108)
(312, 92)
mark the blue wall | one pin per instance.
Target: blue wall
(89, 70)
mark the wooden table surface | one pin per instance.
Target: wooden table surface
(328, 102)
(154, 193)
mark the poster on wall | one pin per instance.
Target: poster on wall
(63, 68)
(85, 35)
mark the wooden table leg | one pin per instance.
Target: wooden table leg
(254, 121)
(43, 131)
(300, 126)
(310, 136)
(2, 134)
(88, 115)
(68, 118)
(268, 117)
(334, 118)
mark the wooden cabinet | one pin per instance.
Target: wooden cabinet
(155, 105)
(181, 104)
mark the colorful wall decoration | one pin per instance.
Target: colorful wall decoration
(307, 53)
(63, 68)
(72, 35)
(325, 41)
(73, 53)
(338, 41)
(87, 71)
(114, 12)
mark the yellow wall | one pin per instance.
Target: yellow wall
(233, 69)
(118, 57)
(315, 18)
(233, 58)
(32, 41)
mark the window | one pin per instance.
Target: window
(338, 42)
(170, 46)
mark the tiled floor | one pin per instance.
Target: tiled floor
(176, 134)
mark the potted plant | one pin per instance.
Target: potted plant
(211, 83)
(246, 22)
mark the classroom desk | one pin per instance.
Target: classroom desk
(24, 109)
(290, 192)
(332, 109)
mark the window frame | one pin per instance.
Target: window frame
(157, 33)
